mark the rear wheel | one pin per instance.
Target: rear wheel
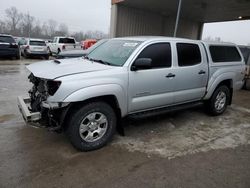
(219, 100)
(92, 126)
(18, 56)
(46, 57)
(247, 85)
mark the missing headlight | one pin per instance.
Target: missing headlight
(53, 86)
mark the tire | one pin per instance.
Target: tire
(50, 52)
(247, 85)
(58, 51)
(83, 132)
(18, 56)
(219, 101)
(46, 57)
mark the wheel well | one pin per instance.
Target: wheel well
(229, 84)
(109, 99)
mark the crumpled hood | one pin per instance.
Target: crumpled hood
(52, 69)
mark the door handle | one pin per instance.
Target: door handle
(170, 75)
(202, 72)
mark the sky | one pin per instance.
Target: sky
(84, 15)
(79, 15)
(236, 31)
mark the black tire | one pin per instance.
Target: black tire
(58, 51)
(247, 85)
(46, 57)
(81, 113)
(211, 104)
(18, 56)
(25, 55)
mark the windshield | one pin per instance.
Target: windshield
(95, 45)
(114, 52)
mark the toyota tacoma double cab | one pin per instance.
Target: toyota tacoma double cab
(88, 97)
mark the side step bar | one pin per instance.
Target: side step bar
(165, 110)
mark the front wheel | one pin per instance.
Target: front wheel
(92, 126)
(219, 101)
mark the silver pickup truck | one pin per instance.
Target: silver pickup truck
(88, 97)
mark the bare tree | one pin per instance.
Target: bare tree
(27, 24)
(52, 27)
(45, 30)
(3, 27)
(13, 19)
(95, 34)
(37, 31)
(63, 29)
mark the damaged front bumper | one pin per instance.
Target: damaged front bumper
(28, 116)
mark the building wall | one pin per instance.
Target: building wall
(131, 21)
(127, 21)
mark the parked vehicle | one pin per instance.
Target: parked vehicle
(245, 50)
(61, 44)
(34, 48)
(88, 43)
(79, 53)
(8, 47)
(87, 98)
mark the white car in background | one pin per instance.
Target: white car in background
(60, 44)
(34, 48)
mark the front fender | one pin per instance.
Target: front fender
(98, 91)
(216, 80)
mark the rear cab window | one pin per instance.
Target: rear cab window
(37, 43)
(188, 54)
(67, 40)
(223, 53)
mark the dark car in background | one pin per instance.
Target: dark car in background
(8, 47)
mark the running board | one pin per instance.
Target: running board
(165, 110)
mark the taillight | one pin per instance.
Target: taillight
(52, 86)
(27, 47)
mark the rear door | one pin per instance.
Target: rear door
(151, 88)
(191, 72)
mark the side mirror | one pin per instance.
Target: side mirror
(142, 63)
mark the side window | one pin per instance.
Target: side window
(224, 54)
(188, 54)
(159, 53)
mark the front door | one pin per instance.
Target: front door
(151, 88)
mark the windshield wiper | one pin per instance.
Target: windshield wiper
(99, 61)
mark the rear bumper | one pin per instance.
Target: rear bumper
(28, 116)
(9, 53)
(32, 53)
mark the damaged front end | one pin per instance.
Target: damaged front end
(36, 109)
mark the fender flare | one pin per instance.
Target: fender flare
(216, 80)
(99, 91)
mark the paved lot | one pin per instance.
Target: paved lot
(184, 149)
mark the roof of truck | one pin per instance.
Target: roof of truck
(146, 38)
(155, 38)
